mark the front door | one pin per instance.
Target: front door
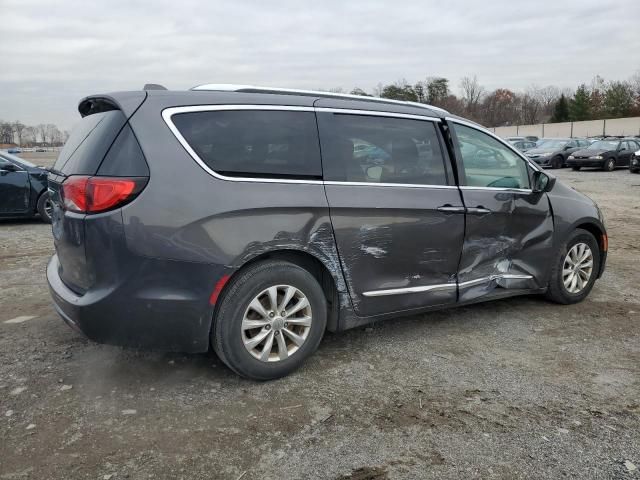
(509, 229)
(14, 189)
(397, 215)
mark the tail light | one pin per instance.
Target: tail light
(99, 194)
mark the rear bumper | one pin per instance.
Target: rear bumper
(164, 306)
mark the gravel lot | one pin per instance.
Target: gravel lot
(519, 388)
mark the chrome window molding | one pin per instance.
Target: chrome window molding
(384, 184)
(376, 113)
(499, 189)
(446, 286)
(167, 113)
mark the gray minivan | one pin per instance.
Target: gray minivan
(251, 220)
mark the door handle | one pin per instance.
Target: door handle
(479, 210)
(450, 209)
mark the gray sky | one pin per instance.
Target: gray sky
(54, 53)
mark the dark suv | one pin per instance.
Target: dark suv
(252, 220)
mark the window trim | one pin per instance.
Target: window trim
(503, 142)
(168, 113)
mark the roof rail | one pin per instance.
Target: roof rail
(227, 87)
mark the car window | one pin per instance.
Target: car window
(488, 162)
(624, 146)
(270, 144)
(572, 144)
(635, 145)
(376, 149)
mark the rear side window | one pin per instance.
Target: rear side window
(250, 143)
(88, 144)
(376, 149)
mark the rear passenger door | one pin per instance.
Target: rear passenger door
(397, 215)
(509, 228)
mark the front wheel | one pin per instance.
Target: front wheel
(556, 162)
(575, 169)
(45, 207)
(609, 165)
(575, 268)
(271, 318)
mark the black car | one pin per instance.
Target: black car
(553, 152)
(23, 189)
(248, 220)
(604, 154)
(634, 165)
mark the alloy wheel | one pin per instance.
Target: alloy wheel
(276, 323)
(577, 268)
(48, 208)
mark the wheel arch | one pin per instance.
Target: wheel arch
(328, 279)
(601, 237)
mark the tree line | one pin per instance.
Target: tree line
(502, 107)
(42, 135)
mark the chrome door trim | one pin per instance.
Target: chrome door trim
(401, 291)
(445, 286)
(498, 276)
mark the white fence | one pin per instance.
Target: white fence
(590, 128)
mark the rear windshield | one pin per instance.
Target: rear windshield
(89, 143)
(270, 144)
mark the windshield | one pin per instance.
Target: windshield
(552, 143)
(603, 145)
(17, 160)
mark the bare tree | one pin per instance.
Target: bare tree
(18, 128)
(530, 109)
(29, 136)
(41, 129)
(472, 93)
(6, 132)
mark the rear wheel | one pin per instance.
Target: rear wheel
(556, 162)
(575, 268)
(634, 170)
(609, 165)
(271, 318)
(45, 207)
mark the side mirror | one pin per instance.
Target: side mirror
(542, 182)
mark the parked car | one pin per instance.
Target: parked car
(41, 149)
(634, 165)
(528, 138)
(553, 152)
(14, 150)
(604, 154)
(523, 145)
(23, 189)
(244, 219)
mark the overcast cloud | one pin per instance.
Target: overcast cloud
(54, 53)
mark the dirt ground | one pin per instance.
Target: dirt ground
(519, 388)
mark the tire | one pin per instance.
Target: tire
(609, 165)
(634, 170)
(575, 169)
(558, 291)
(228, 337)
(556, 162)
(44, 207)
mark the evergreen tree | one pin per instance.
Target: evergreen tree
(561, 110)
(580, 105)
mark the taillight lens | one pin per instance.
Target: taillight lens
(99, 194)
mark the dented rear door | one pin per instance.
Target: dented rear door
(397, 215)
